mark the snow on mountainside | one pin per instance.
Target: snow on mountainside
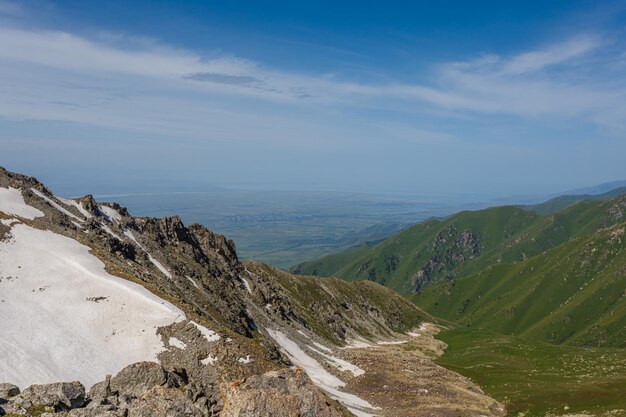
(87, 290)
(65, 308)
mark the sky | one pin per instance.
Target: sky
(480, 97)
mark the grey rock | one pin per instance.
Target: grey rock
(134, 380)
(7, 391)
(101, 389)
(164, 402)
(60, 396)
(281, 393)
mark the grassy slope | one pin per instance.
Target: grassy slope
(536, 378)
(506, 235)
(573, 294)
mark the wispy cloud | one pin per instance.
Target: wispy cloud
(124, 82)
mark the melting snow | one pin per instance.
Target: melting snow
(209, 360)
(210, 335)
(321, 377)
(12, 202)
(321, 346)
(61, 322)
(340, 364)
(357, 344)
(303, 334)
(109, 231)
(156, 263)
(110, 213)
(192, 281)
(245, 360)
(391, 342)
(177, 343)
(55, 204)
(246, 284)
(70, 202)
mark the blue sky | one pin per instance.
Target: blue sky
(456, 97)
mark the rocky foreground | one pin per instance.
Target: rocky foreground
(187, 329)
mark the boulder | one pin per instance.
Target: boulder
(164, 402)
(134, 380)
(59, 396)
(281, 393)
(7, 391)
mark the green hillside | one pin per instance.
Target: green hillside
(464, 244)
(573, 294)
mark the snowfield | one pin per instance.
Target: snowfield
(63, 317)
(12, 202)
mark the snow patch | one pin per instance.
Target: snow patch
(210, 335)
(69, 322)
(246, 284)
(160, 266)
(12, 202)
(245, 360)
(55, 204)
(109, 231)
(9, 222)
(192, 281)
(301, 333)
(392, 342)
(129, 234)
(110, 213)
(321, 377)
(357, 344)
(321, 346)
(209, 360)
(70, 202)
(340, 364)
(177, 343)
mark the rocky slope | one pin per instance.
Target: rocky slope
(88, 291)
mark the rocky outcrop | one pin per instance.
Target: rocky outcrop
(146, 389)
(288, 392)
(450, 249)
(56, 397)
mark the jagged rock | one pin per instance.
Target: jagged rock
(164, 402)
(283, 393)
(101, 389)
(134, 380)
(7, 391)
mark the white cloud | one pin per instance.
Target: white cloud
(140, 84)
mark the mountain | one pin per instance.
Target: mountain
(535, 305)
(598, 189)
(163, 319)
(463, 244)
(574, 293)
(559, 203)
